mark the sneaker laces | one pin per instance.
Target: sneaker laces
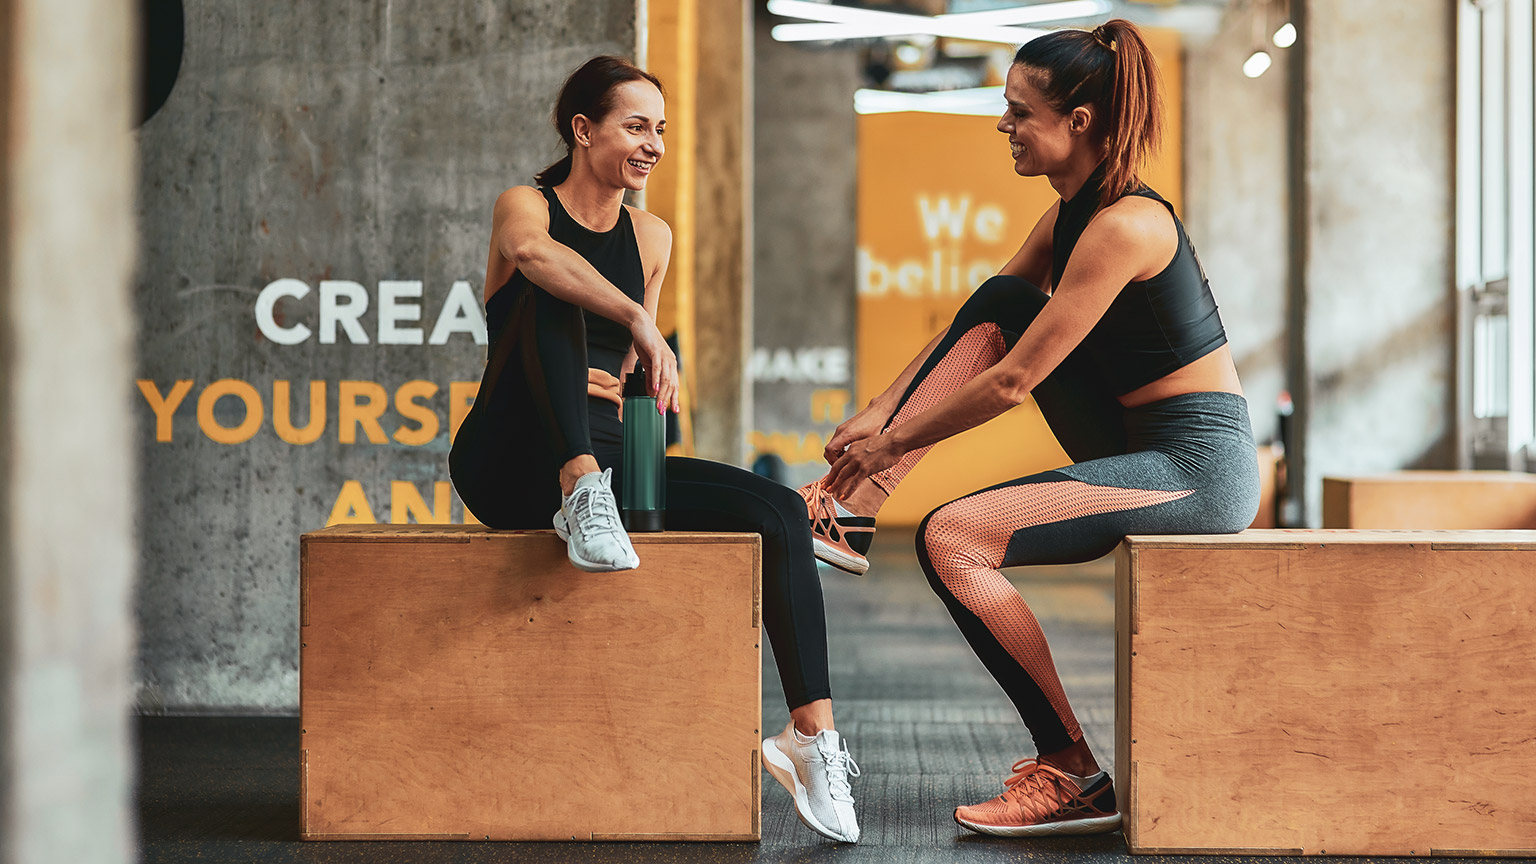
(840, 766)
(1031, 785)
(595, 511)
(820, 505)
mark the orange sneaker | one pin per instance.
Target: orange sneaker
(1041, 800)
(841, 538)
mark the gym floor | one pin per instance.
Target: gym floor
(925, 722)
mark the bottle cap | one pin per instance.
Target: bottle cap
(636, 386)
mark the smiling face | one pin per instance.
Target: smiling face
(1041, 139)
(625, 144)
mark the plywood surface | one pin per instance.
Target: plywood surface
(466, 683)
(1350, 695)
(1431, 499)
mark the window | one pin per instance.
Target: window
(1495, 233)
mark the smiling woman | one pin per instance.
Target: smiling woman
(573, 278)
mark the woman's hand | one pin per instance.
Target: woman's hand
(604, 386)
(660, 363)
(865, 424)
(863, 457)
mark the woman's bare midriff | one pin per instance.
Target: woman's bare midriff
(1213, 372)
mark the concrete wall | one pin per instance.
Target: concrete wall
(1320, 197)
(358, 142)
(804, 236)
(66, 467)
(1379, 106)
(1237, 203)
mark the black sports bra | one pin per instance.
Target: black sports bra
(1155, 326)
(614, 253)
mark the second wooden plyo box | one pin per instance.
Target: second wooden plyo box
(1328, 692)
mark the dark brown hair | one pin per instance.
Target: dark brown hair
(1110, 69)
(588, 91)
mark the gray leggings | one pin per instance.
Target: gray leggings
(1183, 465)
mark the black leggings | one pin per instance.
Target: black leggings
(506, 459)
(1183, 465)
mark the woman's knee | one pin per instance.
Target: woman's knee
(938, 545)
(1001, 298)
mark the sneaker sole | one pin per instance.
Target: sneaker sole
(1094, 825)
(838, 558)
(782, 769)
(581, 563)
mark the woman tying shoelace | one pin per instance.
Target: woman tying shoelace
(1104, 315)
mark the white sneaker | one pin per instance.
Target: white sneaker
(816, 775)
(598, 542)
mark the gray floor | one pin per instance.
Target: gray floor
(926, 723)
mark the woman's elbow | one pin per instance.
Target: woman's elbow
(1012, 388)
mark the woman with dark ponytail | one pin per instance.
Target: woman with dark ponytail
(571, 287)
(1104, 315)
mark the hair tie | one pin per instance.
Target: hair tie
(1098, 35)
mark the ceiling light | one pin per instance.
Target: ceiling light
(1035, 14)
(977, 101)
(845, 22)
(1257, 64)
(1285, 37)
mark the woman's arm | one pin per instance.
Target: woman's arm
(655, 239)
(1032, 262)
(522, 236)
(1121, 245)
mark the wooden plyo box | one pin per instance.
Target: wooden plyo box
(1327, 692)
(462, 683)
(1499, 500)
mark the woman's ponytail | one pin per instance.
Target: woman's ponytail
(1135, 127)
(555, 174)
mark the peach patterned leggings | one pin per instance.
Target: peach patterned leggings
(1184, 465)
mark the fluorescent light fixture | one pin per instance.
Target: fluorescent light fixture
(1257, 64)
(976, 101)
(1035, 14)
(845, 22)
(1285, 37)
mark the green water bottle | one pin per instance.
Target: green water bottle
(644, 500)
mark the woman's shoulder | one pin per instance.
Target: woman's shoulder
(521, 196)
(649, 226)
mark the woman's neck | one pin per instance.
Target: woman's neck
(1074, 174)
(590, 202)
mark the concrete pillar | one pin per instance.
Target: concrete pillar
(723, 210)
(804, 232)
(1237, 202)
(700, 49)
(1377, 105)
(67, 549)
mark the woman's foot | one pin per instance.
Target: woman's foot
(1041, 800)
(588, 521)
(840, 537)
(815, 772)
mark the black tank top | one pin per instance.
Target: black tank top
(615, 254)
(1154, 326)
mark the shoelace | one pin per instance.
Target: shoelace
(840, 766)
(819, 502)
(1029, 788)
(595, 511)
